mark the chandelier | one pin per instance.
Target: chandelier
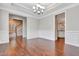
(38, 9)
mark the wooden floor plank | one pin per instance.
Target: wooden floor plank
(38, 47)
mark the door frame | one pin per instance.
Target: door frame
(16, 30)
(56, 13)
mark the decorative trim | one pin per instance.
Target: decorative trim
(34, 16)
(22, 6)
(63, 9)
(3, 42)
(52, 6)
(72, 44)
(72, 38)
(11, 11)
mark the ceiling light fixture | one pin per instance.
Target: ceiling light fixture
(39, 9)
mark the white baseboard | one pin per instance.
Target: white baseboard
(3, 42)
(76, 45)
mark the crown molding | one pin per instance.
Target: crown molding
(12, 11)
(49, 7)
(24, 8)
(62, 9)
(16, 12)
(18, 4)
(52, 6)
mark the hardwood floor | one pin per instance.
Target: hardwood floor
(38, 47)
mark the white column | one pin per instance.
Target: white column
(4, 26)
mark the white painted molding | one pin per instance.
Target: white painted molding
(72, 38)
(59, 10)
(52, 6)
(3, 42)
(22, 6)
(16, 12)
(34, 16)
(76, 45)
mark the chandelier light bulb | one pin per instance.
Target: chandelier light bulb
(42, 10)
(38, 9)
(34, 11)
(34, 7)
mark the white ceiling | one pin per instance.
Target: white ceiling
(49, 7)
(29, 6)
(26, 8)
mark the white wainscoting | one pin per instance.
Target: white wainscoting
(72, 38)
(46, 34)
(32, 34)
(4, 37)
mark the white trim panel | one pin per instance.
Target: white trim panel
(72, 38)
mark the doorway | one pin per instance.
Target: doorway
(15, 30)
(60, 26)
(59, 33)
